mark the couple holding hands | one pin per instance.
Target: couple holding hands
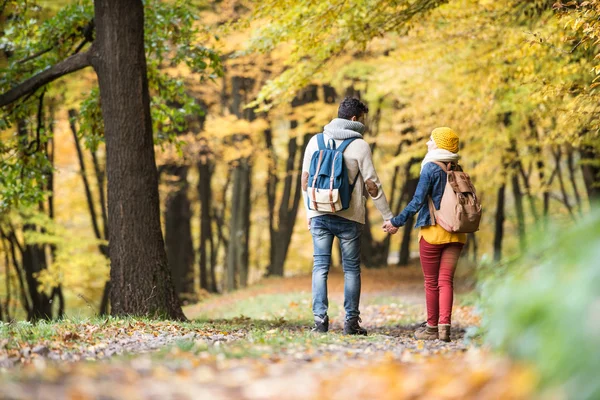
(338, 176)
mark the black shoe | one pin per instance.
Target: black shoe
(351, 327)
(321, 324)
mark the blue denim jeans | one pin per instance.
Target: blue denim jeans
(323, 228)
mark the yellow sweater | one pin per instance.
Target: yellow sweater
(437, 235)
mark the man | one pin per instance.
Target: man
(345, 224)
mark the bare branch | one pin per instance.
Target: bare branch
(40, 117)
(36, 55)
(67, 66)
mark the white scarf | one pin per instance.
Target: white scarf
(439, 155)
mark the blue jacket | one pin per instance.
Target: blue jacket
(432, 182)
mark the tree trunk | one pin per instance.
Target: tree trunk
(100, 174)
(7, 299)
(499, 230)
(518, 197)
(501, 194)
(103, 248)
(178, 232)
(573, 178)
(34, 261)
(525, 176)
(410, 187)
(13, 244)
(33, 256)
(471, 245)
(140, 276)
(565, 197)
(404, 255)
(50, 150)
(237, 251)
(374, 253)
(517, 194)
(207, 277)
(590, 167)
(280, 234)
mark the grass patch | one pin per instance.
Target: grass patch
(294, 306)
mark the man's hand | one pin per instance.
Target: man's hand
(309, 223)
(389, 228)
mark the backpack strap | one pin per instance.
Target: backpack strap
(443, 166)
(321, 142)
(341, 148)
(345, 144)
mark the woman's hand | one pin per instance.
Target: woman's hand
(389, 228)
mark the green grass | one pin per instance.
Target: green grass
(295, 306)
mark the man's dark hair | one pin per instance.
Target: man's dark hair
(351, 107)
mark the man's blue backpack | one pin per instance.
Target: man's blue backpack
(329, 188)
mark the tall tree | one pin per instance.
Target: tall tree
(100, 173)
(178, 230)
(282, 221)
(208, 280)
(141, 282)
(140, 276)
(239, 231)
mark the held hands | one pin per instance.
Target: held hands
(389, 228)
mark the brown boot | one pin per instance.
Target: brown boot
(426, 332)
(444, 332)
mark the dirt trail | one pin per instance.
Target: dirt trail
(284, 361)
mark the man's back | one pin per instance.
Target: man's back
(359, 164)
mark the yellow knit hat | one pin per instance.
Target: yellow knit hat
(445, 138)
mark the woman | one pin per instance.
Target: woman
(439, 249)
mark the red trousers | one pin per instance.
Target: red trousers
(438, 262)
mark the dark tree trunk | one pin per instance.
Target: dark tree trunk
(237, 251)
(404, 255)
(374, 253)
(207, 276)
(573, 178)
(410, 187)
(50, 149)
(33, 256)
(329, 94)
(280, 234)
(472, 246)
(518, 197)
(34, 261)
(7, 300)
(565, 197)
(499, 230)
(98, 171)
(86, 184)
(517, 194)
(178, 231)
(590, 167)
(100, 174)
(239, 231)
(140, 276)
(536, 150)
(525, 176)
(501, 194)
(11, 246)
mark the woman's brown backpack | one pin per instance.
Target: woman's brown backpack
(460, 211)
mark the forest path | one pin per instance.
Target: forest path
(256, 344)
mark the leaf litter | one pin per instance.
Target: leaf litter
(254, 357)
